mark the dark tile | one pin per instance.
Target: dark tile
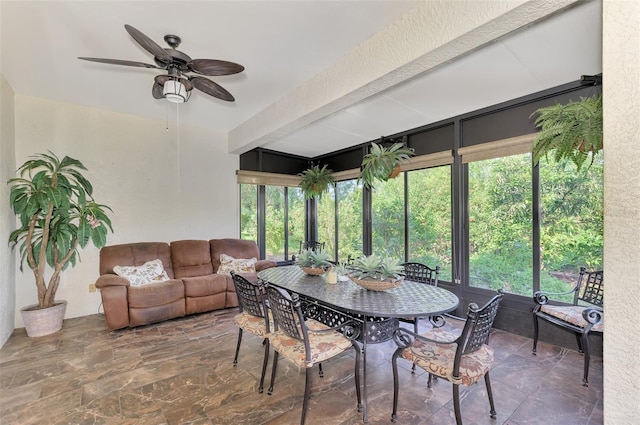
(181, 372)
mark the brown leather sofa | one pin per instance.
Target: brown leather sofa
(194, 286)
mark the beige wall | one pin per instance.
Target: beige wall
(621, 77)
(162, 185)
(7, 219)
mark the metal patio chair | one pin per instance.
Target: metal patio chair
(583, 317)
(461, 358)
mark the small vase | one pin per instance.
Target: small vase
(43, 321)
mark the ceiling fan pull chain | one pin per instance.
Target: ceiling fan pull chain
(178, 141)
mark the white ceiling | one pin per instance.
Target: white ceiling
(282, 45)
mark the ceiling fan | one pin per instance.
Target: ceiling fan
(176, 85)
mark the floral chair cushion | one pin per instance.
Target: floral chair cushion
(571, 314)
(437, 359)
(252, 324)
(447, 333)
(324, 345)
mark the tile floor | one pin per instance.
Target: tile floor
(181, 372)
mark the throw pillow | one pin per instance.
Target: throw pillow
(150, 272)
(238, 265)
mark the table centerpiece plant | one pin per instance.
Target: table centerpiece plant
(58, 216)
(376, 273)
(313, 262)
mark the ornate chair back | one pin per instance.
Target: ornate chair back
(590, 288)
(250, 297)
(312, 245)
(287, 313)
(478, 326)
(419, 272)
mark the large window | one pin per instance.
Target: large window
(274, 222)
(500, 224)
(571, 222)
(249, 212)
(471, 202)
(349, 219)
(326, 215)
(430, 218)
(387, 216)
(296, 219)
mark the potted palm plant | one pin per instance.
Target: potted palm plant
(58, 215)
(572, 131)
(316, 181)
(383, 163)
(376, 273)
(313, 262)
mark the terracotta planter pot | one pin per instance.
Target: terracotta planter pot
(395, 172)
(41, 322)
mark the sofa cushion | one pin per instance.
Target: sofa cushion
(155, 294)
(236, 248)
(191, 258)
(229, 264)
(149, 272)
(135, 254)
(202, 286)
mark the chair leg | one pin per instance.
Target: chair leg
(264, 366)
(273, 372)
(429, 380)
(456, 403)
(535, 333)
(235, 358)
(492, 412)
(587, 358)
(320, 372)
(307, 390)
(579, 340)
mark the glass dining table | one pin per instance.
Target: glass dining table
(370, 316)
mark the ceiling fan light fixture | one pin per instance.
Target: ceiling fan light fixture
(174, 91)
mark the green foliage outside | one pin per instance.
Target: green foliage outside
(249, 212)
(501, 223)
(387, 215)
(274, 221)
(430, 219)
(349, 219)
(326, 220)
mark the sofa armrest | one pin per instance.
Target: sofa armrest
(264, 264)
(111, 280)
(116, 306)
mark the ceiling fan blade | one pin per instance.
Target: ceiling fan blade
(214, 67)
(156, 91)
(147, 43)
(120, 62)
(211, 88)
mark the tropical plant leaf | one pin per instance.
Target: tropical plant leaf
(572, 131)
